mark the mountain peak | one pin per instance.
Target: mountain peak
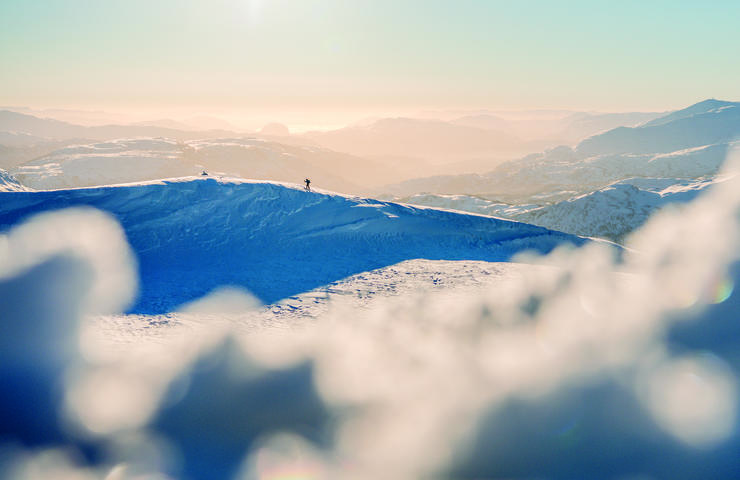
(705, 106)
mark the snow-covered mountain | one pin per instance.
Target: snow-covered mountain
(118, 161)
(563, 172)
(688, 143)
(274, 160)
(194, 234)
(566, 169)
(592, 189)
(706, 123)
(133, 160)
(583, 125)
(8, 183)
(611, 212)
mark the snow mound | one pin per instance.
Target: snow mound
(193, 234)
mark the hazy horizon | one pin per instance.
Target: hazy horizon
(321, 64)
(296, 121)
(521, 260)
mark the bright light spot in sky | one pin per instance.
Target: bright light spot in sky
(254, 10)
(361, 54)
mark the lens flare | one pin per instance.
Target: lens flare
(721, 290)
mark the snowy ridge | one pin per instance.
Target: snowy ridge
(705, 123)
(194, 234)
(610, 212)
(711, 105)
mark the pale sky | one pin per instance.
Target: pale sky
(367, 55)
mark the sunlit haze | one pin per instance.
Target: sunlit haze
(369, 239)
(328, 63)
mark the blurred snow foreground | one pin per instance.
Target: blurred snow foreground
(597, 368)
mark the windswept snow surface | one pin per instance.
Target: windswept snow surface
(602, 368)
(360, 292)
(194, 234)
(599, 369)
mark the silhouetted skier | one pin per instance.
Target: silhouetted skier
(308, 185)
(204, 173)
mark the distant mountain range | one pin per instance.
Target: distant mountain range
(611, 212)
(605, 186)
(705, 123)
(139, 159)
(474, 136)
(415, 138)
(49, 129)
(402, 146)
(563, 129)
(688, 143)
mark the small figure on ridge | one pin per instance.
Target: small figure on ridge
(204, 173)
(308, 185)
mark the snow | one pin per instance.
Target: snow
(687, 144)
(611, 212)
(563, 170)
(8, 183)
(385, 340)
(267, 160)
(119, 334)
(140, 159)
(196, 233)
(105, 163)
(571, 362)
(692, 127)
(707, 106)
(606, 186)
